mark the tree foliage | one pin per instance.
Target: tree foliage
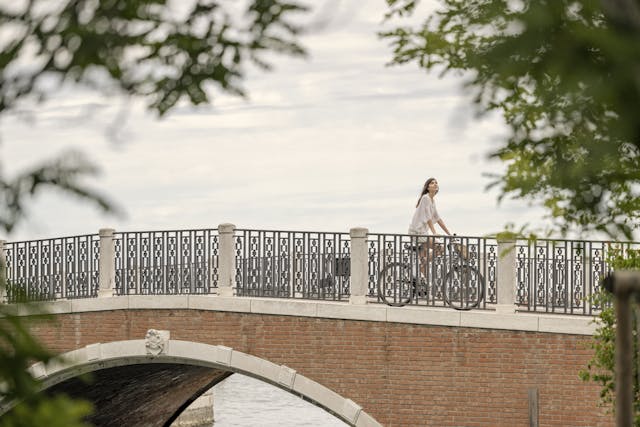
(160, 51)
(564, 75)
(66, 172)
(148, 48)
(19, 349)
(601, 367)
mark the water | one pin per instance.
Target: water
(241, 401)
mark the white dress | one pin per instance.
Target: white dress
(425, 211)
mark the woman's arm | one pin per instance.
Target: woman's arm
(441, 224)
(431, 227)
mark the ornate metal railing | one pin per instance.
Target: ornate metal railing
(292, 264)
(560, 276)
(553, 276)
(50, 269)
(428, 260)
(166, 262)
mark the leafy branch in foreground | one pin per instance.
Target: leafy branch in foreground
(601, 367)
(563, 73)
(19, 349)
(155, 49)
(65, 173)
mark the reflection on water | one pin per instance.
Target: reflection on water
(243, 401)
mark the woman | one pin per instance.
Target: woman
(422, 222)
(426, 213)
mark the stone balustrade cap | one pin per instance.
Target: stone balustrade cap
(226, 228)
(359, 232)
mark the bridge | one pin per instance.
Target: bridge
(161, 316)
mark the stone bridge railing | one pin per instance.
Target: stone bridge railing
(556, 276)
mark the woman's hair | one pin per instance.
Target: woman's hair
(425, 189)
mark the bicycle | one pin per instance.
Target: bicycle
(462, 287)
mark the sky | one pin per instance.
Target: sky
(327, 143)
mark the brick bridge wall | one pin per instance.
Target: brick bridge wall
(401, 374)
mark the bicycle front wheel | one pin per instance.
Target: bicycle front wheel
(395, 284)
(463, 287)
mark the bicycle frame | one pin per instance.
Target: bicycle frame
(431, 269)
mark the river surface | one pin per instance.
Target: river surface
(243, 401)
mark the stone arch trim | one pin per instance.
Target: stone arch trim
(161, 349)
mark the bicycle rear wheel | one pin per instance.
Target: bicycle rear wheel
(395, 284)
(463, 287)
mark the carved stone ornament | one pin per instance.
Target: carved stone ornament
(156, 341)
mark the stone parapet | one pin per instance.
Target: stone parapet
(485, 319)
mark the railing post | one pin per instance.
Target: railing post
(506, 278)
(226, 260)
(106, 264)
(3, 273)
(359, 270)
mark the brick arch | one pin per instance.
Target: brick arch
(404, 366)
(190, 367)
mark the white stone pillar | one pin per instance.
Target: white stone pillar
(506, 278)
(226, 260)
(3, 273)
(359, 266)
(107, 264)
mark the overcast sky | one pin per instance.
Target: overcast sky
(335, 141)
